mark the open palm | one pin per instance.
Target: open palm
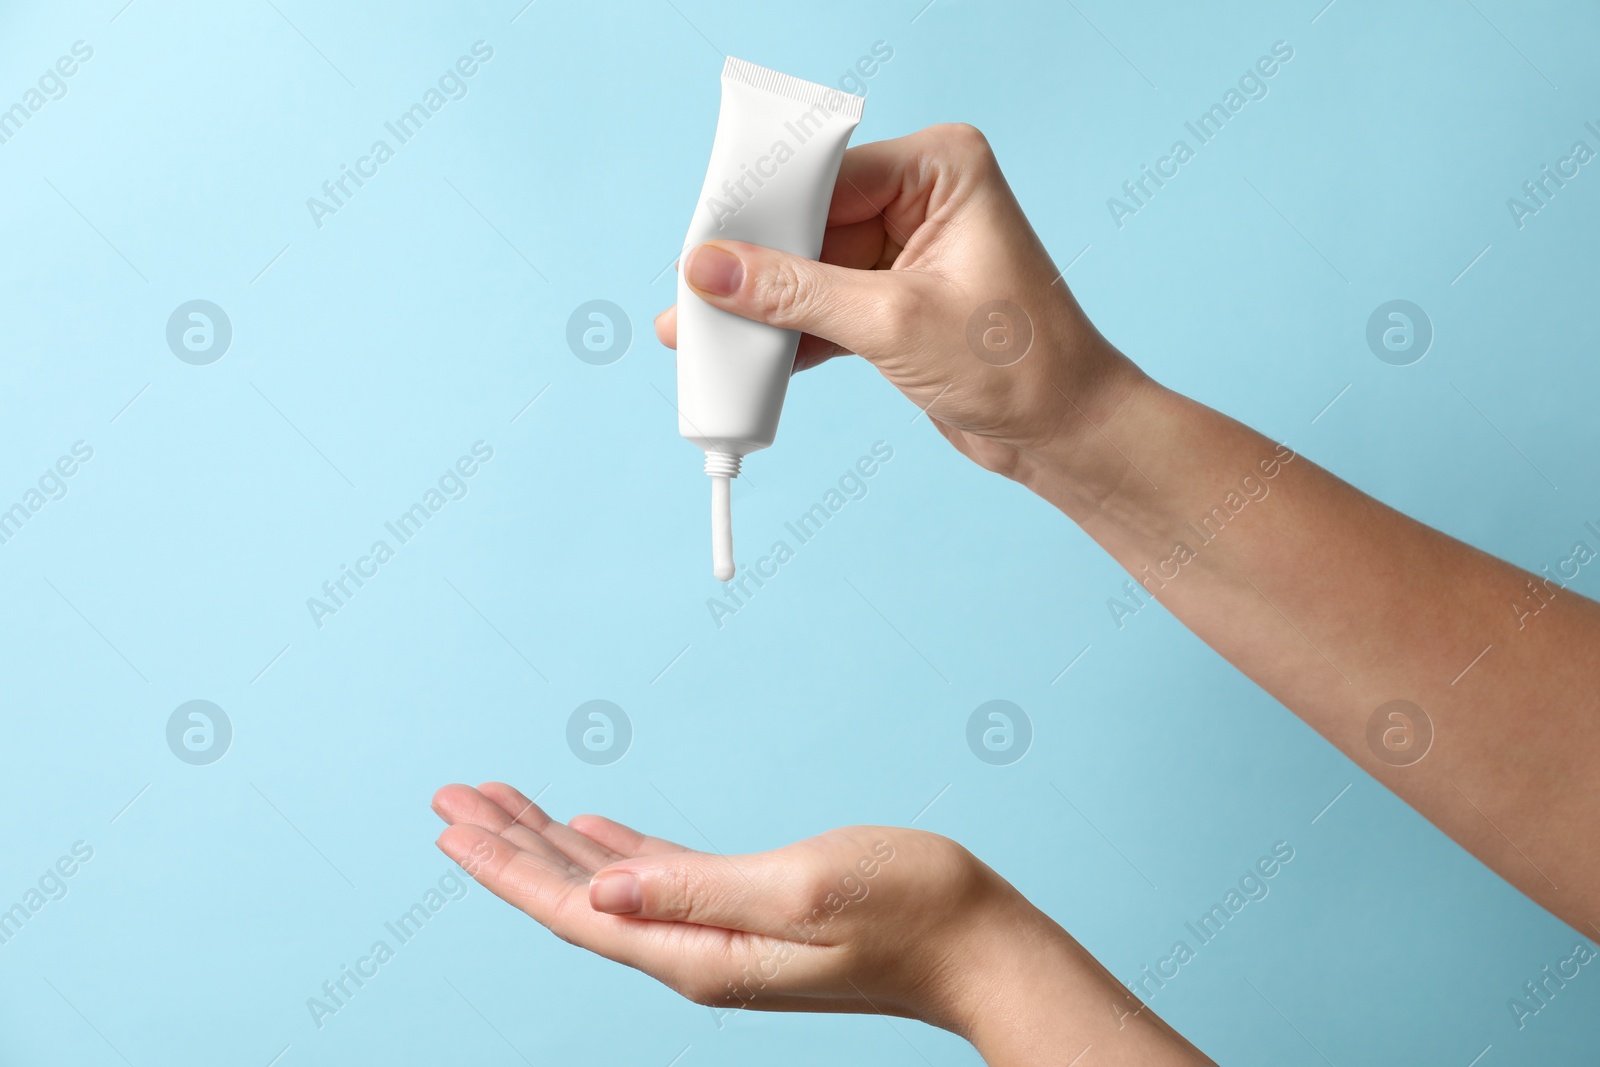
(853, 920)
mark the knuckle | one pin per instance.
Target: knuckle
(811, 903)
(902, 310)
(689, 893)
(800, 912)
(782, 293)
(677, 895)
(967, 140)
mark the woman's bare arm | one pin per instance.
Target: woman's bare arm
(1338, 605)
(1331, 601)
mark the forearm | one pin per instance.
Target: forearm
(1337, 604)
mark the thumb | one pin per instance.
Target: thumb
(863, 311)
(761, 893)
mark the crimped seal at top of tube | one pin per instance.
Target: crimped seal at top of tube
(787, 85)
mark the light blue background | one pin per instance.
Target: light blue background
(369, 354)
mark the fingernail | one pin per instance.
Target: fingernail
(714, 270)
(616, 893)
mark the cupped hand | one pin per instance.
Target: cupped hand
(930, 270)
(863, 919)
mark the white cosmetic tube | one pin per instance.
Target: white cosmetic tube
(773, 166)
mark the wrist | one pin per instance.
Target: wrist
(1089, 458)
(1025, 992)
(1014, 961)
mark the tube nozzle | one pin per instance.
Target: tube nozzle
(721, 529)
(723, 467)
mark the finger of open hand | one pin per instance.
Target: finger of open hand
(692, 959)
(464, 805)
(551, 893)
(582, 849)
(623, 840)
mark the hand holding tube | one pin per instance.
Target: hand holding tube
(923, 234)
